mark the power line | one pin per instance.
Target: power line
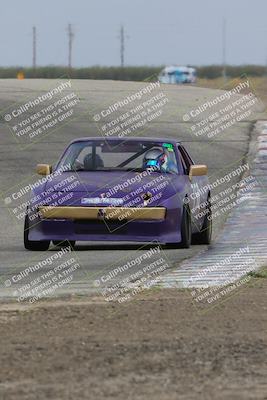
(122, 38)
(224, 51)
(70, 40)
(34, 47)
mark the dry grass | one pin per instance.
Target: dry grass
(259, 85)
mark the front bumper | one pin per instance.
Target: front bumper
(88, 224)
(107, 213)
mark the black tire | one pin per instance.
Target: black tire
(204, 237)
(186, 229)
(64, 243)
(32, 244)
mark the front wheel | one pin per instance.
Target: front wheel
(186, 230)
(204, 236)
(33, 245)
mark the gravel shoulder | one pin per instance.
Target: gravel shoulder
(158, 346)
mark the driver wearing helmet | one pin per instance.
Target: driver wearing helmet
(158, 160)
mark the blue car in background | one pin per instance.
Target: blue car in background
(178, 74)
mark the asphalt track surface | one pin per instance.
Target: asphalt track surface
(18, 161)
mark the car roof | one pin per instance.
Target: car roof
(129, 138)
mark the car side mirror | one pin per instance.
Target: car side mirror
(44, 169)
(197, 170)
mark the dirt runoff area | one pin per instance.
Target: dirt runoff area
(158, 346)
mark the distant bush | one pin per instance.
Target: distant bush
(232, 71)
(95, 72)
(129, 73)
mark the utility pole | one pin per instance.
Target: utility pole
(34, 47)
(122, 42)
(70, 38)
(224, 51)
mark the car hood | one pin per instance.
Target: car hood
(114, 187)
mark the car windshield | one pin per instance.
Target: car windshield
(126, 156)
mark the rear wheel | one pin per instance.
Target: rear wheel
(32, 244)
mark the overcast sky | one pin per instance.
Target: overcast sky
(160, 31)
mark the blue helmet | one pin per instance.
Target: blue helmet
(156, 158)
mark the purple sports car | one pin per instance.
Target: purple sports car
(134, 189)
